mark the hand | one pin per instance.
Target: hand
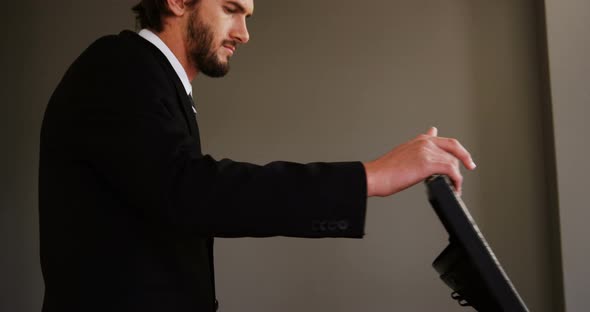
(414, 161)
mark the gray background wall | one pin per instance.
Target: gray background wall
(327, 81)
(568, 22)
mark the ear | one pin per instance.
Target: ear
(176, 7)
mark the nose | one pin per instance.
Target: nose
(240, 32)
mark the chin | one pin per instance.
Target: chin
(224, 59)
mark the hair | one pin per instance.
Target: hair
(150, 13)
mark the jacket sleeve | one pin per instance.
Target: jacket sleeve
(157, 168)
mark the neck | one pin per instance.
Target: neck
(174, 39)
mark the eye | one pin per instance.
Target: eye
(230, 10)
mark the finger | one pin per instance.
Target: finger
(446, 164)
(457, 179)
(451, 169)
(455, 148)
(458, 187)
(432, 131)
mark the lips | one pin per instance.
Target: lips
(231, 48)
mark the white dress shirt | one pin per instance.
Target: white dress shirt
(155, 40)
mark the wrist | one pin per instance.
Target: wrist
(370, 174)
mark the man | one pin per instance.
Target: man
(129, 205)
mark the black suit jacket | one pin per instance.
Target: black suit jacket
(129, 205)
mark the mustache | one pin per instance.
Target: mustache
(232, 43)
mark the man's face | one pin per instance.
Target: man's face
(215, 29)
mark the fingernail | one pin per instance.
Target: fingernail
(473, 165)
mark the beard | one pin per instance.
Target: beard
(200, 48)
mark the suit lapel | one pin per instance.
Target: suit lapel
(186, 106)
(182, 98)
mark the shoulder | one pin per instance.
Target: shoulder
(122, 63)
(116, 72)
(127, 47)
(124, 53)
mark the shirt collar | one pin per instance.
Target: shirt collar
(155, 40)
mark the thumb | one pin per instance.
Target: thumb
(432, 131)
